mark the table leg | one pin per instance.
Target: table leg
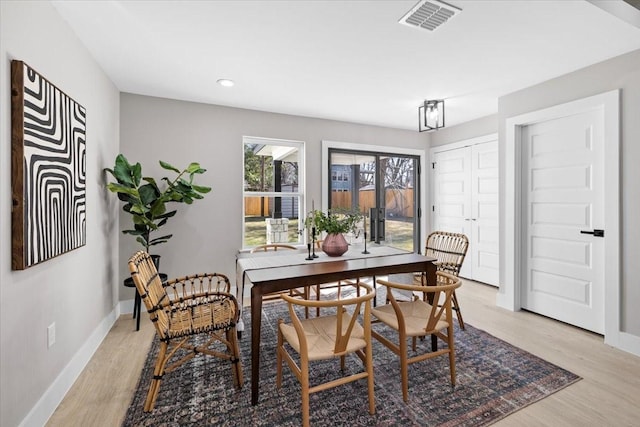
(432, 279)
(256, 321)
(375, 296)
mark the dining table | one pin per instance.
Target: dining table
(268, 272)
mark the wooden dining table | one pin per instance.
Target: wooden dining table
(280, 271)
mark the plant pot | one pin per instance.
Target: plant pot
(156, 261)
(335, 244)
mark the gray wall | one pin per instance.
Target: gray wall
(76, 290)
(622, 72)
(472, 129)
(208, 233)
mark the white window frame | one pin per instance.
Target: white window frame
(300, 145)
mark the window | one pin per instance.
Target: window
(273, 191)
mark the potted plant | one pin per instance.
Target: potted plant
(146, 202)
(335, 223)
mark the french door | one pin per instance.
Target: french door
(382, 186)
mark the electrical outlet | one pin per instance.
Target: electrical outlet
(51, 334)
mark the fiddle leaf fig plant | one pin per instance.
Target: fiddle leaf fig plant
(146, 202)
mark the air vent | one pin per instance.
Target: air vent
(429, 14)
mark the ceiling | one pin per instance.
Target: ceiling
(345, 60)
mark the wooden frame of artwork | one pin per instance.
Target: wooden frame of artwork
(48, 169)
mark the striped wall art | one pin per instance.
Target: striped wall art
(48, 176)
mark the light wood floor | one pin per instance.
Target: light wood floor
(608, 394)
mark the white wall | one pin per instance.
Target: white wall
(622, 72)
(208, 233)
(77, 290)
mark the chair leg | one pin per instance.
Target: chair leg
(279, 357)
(452, 354)
(236, 364)
(404, 374)
(304, 383)
(370, 383)
(158, 372)
(456, 308)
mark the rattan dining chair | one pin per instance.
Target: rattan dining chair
(450, 250)
(327, 337)
(418, 318)
(200, 306)
(299, 292)
(335, 285)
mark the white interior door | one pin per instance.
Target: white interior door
(451, 203)
(465, 196)
(484, 244)
(563, 195)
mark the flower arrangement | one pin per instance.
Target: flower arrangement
(335, 221)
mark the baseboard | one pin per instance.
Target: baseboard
(51, 398)
(629, 343)
(126, 307)
(503, 302)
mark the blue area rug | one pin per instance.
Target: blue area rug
(494, 379)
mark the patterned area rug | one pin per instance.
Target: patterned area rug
(494, 379)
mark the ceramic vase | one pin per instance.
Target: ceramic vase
(335, 244)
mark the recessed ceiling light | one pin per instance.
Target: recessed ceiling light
(225, 82)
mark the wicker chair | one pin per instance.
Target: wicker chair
(418, 318)
(327, 337)
(272, 247)
(449, 249)
(339, 284)
(197, 305)
(303, 293)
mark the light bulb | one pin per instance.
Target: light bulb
(432, 114)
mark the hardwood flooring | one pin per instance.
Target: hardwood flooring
(608, 394)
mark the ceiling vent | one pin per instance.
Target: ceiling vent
(429, 14)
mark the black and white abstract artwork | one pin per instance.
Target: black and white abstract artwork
(48, 162)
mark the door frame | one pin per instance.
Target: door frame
(509, 294)
(421, 154)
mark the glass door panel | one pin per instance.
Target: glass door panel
(352, 184)
(382, 186)
(400, 219)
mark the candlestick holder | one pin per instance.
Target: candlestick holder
(365, 243)
(313, 254)
(309, 258)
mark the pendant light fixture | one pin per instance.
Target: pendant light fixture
(431, 115)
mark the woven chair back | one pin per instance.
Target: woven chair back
(352, 306)
(442, 292)
(150, 288)
(449, 249)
